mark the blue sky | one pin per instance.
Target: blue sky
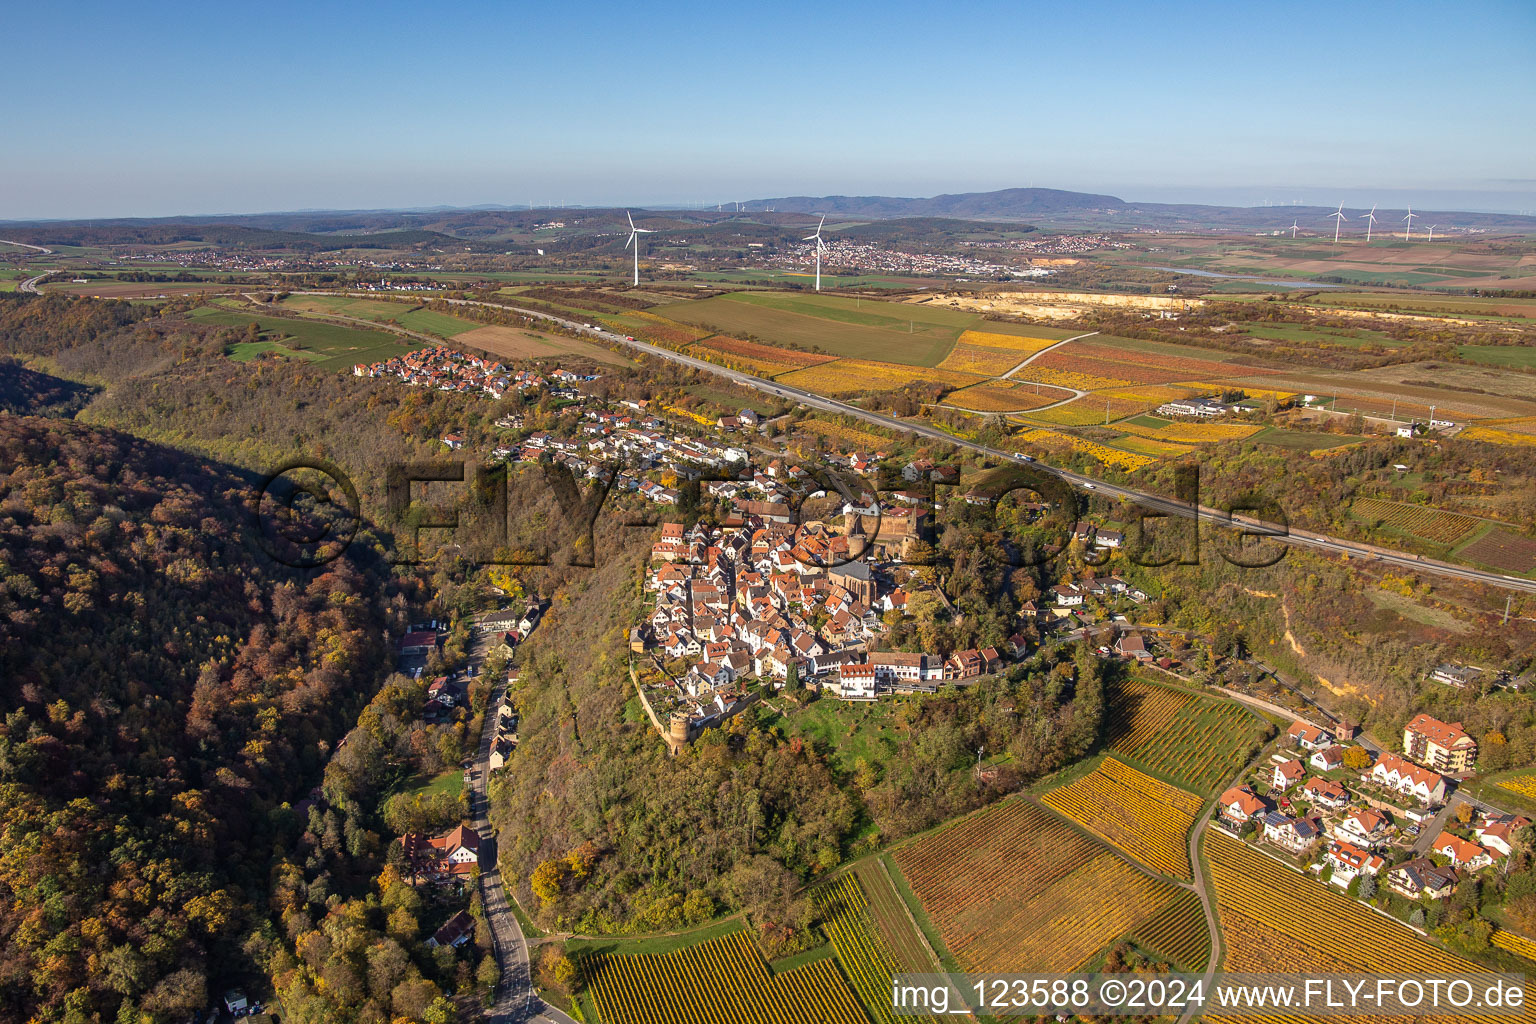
(157, 109)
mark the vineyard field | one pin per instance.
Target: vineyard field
(1494, 435)
(1053, 440)
(1319, 918)
(1137, 711)
(724, 979)
(1065, 378)
(1504, 551)
(1178, 932)
(1525, 785)
(1432, 524)
(866, 960)
(1201, 747)
(851, 376)
(1139, 367)
(892, 919)
(1514, 943)
(991, 354)
(1009, 851)
(1193, 433)
(1068, 923)
(1152, 446)
(771, 359)
(1257, 948)
(1147, 819)
(1003, 396)
(1013, 888)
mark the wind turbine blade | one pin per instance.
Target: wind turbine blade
(823, 221)
(630, 219)
(807, 238)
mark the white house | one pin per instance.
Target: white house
(1363, 828)
(1462, 854)
(1287, 774)
(1349, 860)
(1308, 736)
(1397, 773)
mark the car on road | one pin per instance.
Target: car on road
(1090, 487)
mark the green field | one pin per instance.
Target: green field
(245, 351)
(860, 328)
(847, 731)
(451, 783)
(1303, 440)
(329, 346)
(801, 277)
(1522, 356)
(425, 321)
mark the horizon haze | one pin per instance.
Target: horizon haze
(318, 109)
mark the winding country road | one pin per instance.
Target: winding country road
(1155, 502)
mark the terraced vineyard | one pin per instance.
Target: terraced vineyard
(722, 980)
(1013, 888)
(1432, 524)
(1178, 932)
(1148, 819)
(1137, 711)
(866, 960)
(1327, 927)
(1201, 747)
(892, 918)
(1008, 851)
(1260, 949)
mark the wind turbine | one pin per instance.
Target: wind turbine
(820, 245)
(1432, 232)
(634, 239)
(1293, 229)
(1370, 219)
(1408, 233)
(1339, 219)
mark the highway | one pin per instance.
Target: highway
(30, 284)
(1154, 502)
(27, 245)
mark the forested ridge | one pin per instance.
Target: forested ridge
(166, 693)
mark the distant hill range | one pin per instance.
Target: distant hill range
(494, 229)
(1055, 208)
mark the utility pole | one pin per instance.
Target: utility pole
(1507, 599)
